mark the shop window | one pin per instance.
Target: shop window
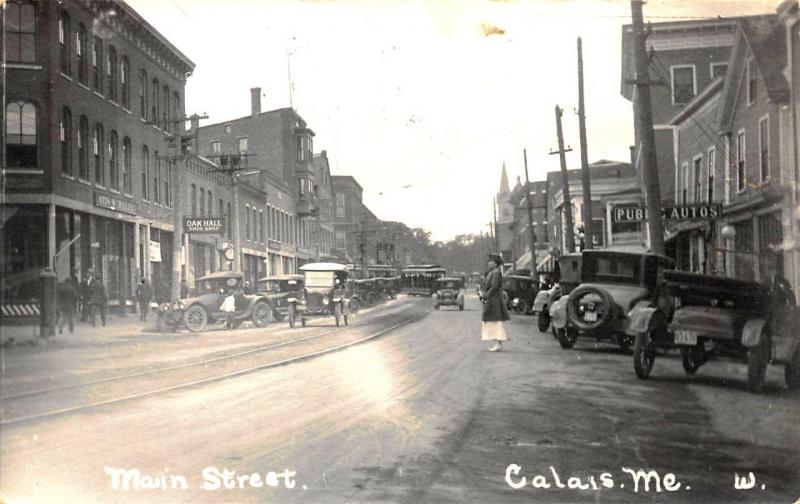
(111, 69)
(127, 184)
(97, 64)
(99, 155)
(21, 131)
(145, 172)
(20, 32)
(65, 133)
(80, 53)
(125, 81)
(64, 38)
(83, 151)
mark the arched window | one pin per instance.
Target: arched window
(21, 144)
(210, 204)
(154, 102)
(145, 171)
(193, 200)
(202, 204)
(125, 81)
(97, 64)
(99, 155)
(111, 70)
(65, 134)
(80, 52)
(113, 161)
(20, 34)
(127, 184)
(83, 148)
(64, 38)
(143, 94)
(165, 110)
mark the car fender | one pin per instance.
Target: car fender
(639, 317)
(752, 331)
(558, 313)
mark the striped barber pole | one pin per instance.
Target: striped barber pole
(20, 310)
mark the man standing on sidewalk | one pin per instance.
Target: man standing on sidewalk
(86, 295)
(99, 298)
(67, 303)
(143, 295)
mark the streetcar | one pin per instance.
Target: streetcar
(420, 280)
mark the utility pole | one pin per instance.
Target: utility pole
(569, 232)
(531, 231)
(646, 150)
(586, 210)
(495, 230)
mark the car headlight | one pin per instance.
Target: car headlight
(515, 302)
(325, 300)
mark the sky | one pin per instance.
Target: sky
(423, 101)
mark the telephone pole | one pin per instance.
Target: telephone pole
(531, 231)
(646, 150)
(569, 235)
(586, 210)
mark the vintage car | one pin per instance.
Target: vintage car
(613, 284)
(567, 277)
(203, 306)
(711, 316)
(520, 291)
(365, 289)
(325, 294)
(389, 281)
(449, 292)
(278, 289)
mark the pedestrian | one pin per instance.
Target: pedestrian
(67, 304)
(494, 309)
(228, 307)
(86, 295)
(143, 295)
(99, 298)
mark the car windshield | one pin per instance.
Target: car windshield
(450, 284)
(319, 279)
(214, 285)
(269, 286)
(612, 268)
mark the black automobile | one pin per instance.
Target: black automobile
(520, 291)
(278, 289)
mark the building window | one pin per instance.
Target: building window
(83, 152)
(261, 226)
(97, 64)
(741, 174)
(711, 168)
(193, 199)
(683, 84)
(699, 179)
(125, 81)
(202, 203)
(210, 204)
(216, 148)
(154, 102)
(156, 178)
(752, 81)
(685, 183)
(64, 37)
(340, 205)
(243, 145)
(97, 150)
(20, 33)
(165, 110)
(113, 161)
(228, 230)
(168, 184)
(127, 184)
(763, 148)
(21, 144)
(718, 70)
(177, 116)
(247, 222)
(143, 94)
(145, 172)
(340, 240)
(111, 68)
(80, 52)
(65, 134)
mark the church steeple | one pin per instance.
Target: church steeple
(504, 189)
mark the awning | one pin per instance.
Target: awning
(546, 265)
(523, 262)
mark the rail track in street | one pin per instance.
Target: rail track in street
(93, 388)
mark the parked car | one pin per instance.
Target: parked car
(712, 316)
(366, 291)
(613, 283)
(449, 292)
(521, 292)
(325, 294)
(278, 289)
(203, 307)
(568, 277)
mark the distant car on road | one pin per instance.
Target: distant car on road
(197, 311)
(449, 292)
(278, 289)
(613, 284)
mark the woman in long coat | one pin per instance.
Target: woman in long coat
(494, 309)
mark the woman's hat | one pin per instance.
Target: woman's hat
(496, 258)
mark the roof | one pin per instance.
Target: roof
(281, 277)
(323, 266)
(627, 250)
(345, 178)
(449, 279)
(504, 188)
(222, 274)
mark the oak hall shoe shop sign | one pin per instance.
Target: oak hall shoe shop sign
(626, 213)
(204, 225)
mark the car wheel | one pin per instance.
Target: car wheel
(644, 350)
(522, 307)
(567, 337)
(691, 361)
(354, 305)
(195, 318)
(792, 371)
(372, 299)
(262, 314)
(291, 315)
(605, 311)
(543, 321)
(337, 314)
(624, 343)
(757, 360)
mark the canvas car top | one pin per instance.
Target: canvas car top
(281, 277)
(323, 266)
(221, 274)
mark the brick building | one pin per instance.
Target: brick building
(519, 226)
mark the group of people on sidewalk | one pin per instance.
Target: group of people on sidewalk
(89, 298)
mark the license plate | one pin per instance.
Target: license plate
(590, 316)
(685, 338)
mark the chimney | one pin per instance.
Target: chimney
(255, 101)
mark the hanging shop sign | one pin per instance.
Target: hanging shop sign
(635, 213)
(114, 203)
(155, 251)
(204, 225)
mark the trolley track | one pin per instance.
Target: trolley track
(70, 398)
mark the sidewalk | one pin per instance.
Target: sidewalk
(116, 327)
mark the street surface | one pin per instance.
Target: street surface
(419, 413)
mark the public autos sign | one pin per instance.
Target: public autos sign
(631, 213)
(204, 225)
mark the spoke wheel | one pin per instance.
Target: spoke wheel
(522, 307)
(644, 355)
(262, 314)
(691, 362)
(567, 337)
(195, 318)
